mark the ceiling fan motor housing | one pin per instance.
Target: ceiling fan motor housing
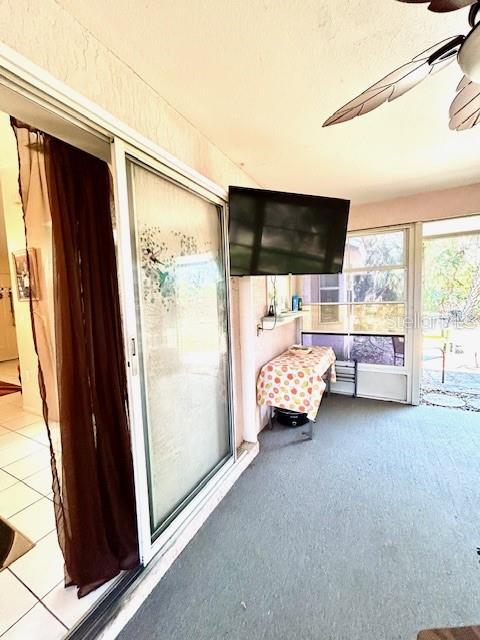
(469, 55)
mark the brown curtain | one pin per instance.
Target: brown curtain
(92, 467)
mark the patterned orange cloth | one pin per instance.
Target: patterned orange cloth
(294, 380)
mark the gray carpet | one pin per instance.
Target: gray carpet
(367, 533)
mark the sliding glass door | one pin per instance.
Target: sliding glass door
(179, 346)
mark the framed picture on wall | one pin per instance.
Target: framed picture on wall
(27, 280)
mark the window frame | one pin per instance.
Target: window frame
(330, 304)
(408, 298)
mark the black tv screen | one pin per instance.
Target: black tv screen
(276, 233)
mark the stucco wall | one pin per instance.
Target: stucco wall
(54, 40)
(236, 359)
(420, 207)
(269, 343)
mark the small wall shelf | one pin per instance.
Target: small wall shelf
(268, 322)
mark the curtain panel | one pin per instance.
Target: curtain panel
(79, 342)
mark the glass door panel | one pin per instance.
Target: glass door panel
(451, 313)
(181, 298)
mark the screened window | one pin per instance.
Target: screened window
(362, 310)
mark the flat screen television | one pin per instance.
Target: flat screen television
(277, 233)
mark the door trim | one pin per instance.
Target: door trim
(417, 338)
(127, 298)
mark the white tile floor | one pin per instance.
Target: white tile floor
(33, 600)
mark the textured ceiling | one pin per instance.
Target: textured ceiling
(259, 77)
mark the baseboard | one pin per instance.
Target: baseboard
(129, 603)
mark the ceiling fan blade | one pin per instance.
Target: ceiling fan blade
(463, 83)
(465, 109)
(442, 6)
(392, 86)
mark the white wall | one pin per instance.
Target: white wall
(4, 260)
(8, 337)
(420, 207)
(11, 208)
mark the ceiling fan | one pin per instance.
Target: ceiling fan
(465, 108)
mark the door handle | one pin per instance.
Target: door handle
(133, 363)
